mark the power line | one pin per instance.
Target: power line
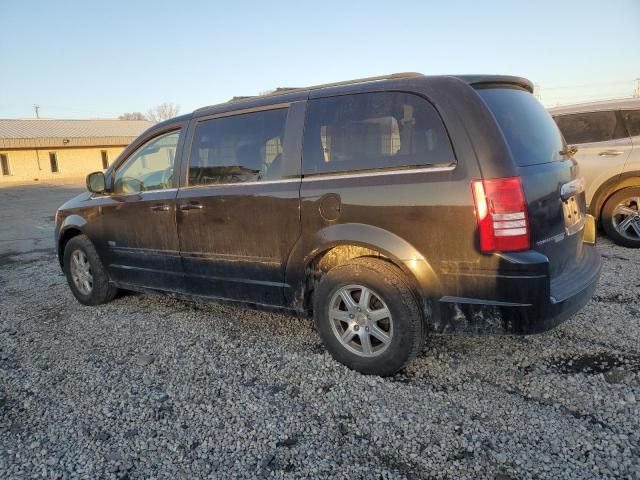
(603, 91)
(594, 95)
(587, 85)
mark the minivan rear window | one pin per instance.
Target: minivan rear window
(530, 132)
(371, 131)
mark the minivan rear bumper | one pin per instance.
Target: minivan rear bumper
(524, 303)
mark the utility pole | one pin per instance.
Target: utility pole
(636, 93)
(36, 109)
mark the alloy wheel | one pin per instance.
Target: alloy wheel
(360, 320)
(626, 218)
(81, 272)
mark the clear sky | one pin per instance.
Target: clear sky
(87, 59)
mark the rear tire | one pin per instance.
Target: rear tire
(621, 217)
(86, 275)
(368, 316)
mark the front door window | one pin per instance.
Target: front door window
(150, 167)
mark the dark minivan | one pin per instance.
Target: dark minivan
(385, 208)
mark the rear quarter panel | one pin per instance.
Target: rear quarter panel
(432, 211)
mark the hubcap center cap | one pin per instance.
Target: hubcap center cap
(361, 319)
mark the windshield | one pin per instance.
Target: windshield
(529, 130)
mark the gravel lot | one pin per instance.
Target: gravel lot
(153, 387)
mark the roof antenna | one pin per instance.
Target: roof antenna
(36, 108)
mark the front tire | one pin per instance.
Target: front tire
(621, 217)
(368, 316)
(86, 275)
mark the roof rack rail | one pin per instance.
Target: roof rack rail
(284, 91)
(364, 79)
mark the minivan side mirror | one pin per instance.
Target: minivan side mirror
(96, 182)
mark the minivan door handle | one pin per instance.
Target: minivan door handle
(162, 207)
(610, 153)
(191, 206)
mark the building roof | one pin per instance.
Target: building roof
(42, 133)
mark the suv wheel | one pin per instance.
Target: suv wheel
(621, 217)
(368, 316)
(85, 273)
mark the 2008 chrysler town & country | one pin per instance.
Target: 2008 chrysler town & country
(386, 208)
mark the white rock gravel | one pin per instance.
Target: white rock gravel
(154, 387)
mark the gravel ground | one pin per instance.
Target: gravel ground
(153, 387)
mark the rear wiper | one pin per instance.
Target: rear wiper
(569, 151)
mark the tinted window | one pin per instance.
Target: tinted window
(590, 127)
(529, 130)
(241, 148)
(373, 130)
(150, 167)
(632, 119)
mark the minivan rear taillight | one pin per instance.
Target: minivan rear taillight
(501, 211)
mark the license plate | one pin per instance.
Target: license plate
(574, 217)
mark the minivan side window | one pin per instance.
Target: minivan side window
(239, 148)
(632, 119)
(150, 167)
(371, 131)
(590, 127)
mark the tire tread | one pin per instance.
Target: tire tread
(103, 290)
(607, 216)
(395, 278)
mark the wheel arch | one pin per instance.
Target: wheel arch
(72, 226)
(608, 188)
(337, 244)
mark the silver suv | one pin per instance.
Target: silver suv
(607, 135)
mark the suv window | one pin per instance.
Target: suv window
(240, 148)
(531, 134)
(632, 119)
(150, 167)
(590, 127)
(372, 131)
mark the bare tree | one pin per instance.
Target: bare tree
(132, 116)
(164, 111)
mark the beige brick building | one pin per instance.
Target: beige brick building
(33, 150)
